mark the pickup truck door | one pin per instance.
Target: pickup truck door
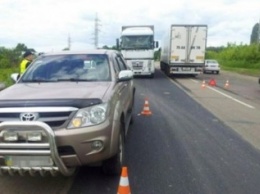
(125, 87)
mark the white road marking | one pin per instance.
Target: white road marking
(230, 97)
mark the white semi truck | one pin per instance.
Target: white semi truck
(137, 47)
(183, 49)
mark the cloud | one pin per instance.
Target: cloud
(47, 25)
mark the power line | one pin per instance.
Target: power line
(258, 37)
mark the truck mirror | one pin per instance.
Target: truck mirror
(156, 44)
(117, 43)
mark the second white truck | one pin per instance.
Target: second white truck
(183, 49)
(137, 46)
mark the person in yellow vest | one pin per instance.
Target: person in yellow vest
(27, 59)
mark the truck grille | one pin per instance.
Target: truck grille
(137, 65)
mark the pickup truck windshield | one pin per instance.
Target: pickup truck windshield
(137, 42)
(53, 68)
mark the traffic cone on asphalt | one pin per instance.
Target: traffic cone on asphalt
(146, 110)
(124, 187)
(212, 82)
(227, 84)
(203, 85)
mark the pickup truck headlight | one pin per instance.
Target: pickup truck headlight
(89, 116)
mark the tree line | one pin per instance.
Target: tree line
(10, 58)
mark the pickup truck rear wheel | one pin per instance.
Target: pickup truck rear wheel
(132, 110)
(113, 166)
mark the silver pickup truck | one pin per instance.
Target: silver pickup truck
(69, 109)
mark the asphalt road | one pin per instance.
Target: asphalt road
(238, 105)
(181, 148)
(195, 142)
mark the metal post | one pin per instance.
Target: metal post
(258, 39)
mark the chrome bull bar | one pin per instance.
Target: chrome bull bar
(48, 148)
(31, 170)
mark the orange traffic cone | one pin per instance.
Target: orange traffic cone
(146, 110)
(212, 82)
(124, 187)
(203, 85)
(227, 84)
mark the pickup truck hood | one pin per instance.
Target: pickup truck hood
(60, 90)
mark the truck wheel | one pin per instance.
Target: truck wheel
(161, 66)
(167, 71)
(113, 166)
(152, 75)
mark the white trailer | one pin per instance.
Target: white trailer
(137, 47)
(183, 49)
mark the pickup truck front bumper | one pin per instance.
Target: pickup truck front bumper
(18, 154)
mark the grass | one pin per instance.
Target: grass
(243, 71)
(241, 67)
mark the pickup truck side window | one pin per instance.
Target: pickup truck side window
(116, 65)
(121, 63)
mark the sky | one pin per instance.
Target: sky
(47, 25)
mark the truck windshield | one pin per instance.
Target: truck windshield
(74, 67)
(137, 42)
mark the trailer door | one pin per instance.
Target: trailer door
(188, 44)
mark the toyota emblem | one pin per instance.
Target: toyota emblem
(29, 116)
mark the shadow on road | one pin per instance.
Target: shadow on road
(92, 180)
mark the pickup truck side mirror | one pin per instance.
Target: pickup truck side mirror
(125, 75)
(15, 77)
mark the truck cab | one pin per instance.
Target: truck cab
(137, 46)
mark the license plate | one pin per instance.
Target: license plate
(186, 69)
(28, 161)
(137, 67)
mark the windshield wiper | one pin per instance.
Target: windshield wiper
(76, 80)
(37, 80)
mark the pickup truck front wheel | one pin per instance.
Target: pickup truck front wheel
(113, 166)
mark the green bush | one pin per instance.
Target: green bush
(240, 58)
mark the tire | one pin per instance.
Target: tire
(132, 120)
(167, 71)
(161, 66)
(152, 75)
(113, 165)
(132, 110)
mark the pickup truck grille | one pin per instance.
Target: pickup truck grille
(54, 112)
(54, 117)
